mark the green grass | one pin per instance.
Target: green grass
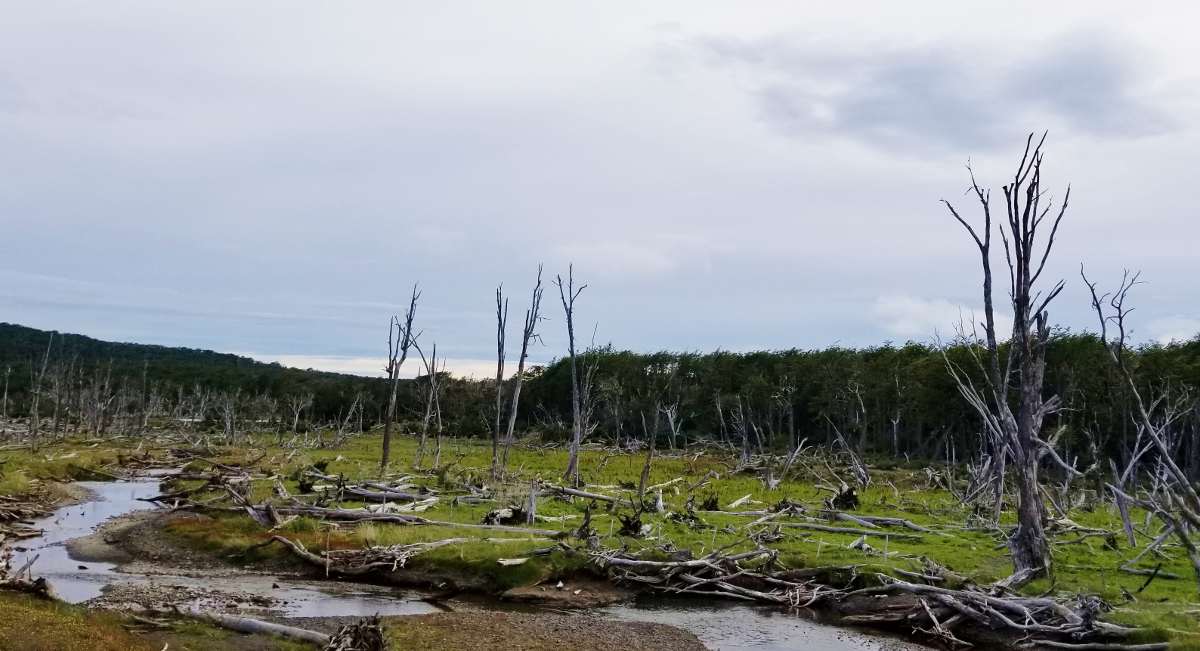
(15, 482)
(64, 461)
(29, 623)
(1166, 608)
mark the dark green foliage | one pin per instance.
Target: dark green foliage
(889, 402)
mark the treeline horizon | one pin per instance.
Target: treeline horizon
(894, 400)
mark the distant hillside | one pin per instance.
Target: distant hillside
(171, 368)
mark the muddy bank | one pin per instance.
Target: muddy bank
(576, 592)
(147, 549)
(484, 631)
(139, 544)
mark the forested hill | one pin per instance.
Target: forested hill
(887, 399)
(20, 344)
(169, 367)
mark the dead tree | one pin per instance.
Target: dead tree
(894, 419)
(400, 339)
(532, 316)
(501, 325)
(297, 403)
(37, 376)
(227, 405)
(674, 422)
(201, 397)
(100, 399)
(567, 293)
(741, 426)
(4, 409)
(721, 418)
(343, 432)
(265, 408)
(433, 407)
(1174, 499)
(143, 399)
(1010, 401)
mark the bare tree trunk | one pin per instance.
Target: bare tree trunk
(567, 292)
(143, 398)
(528, 334)
(1174, 500)
(671, 411)
(4, 409)
(721, 418)
(433, 408)
(501, 325)
(1017, 434)
(400, 338)
(645, 478)
(36, 393)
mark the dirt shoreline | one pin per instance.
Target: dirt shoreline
(137, 543)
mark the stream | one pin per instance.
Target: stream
(719, 625)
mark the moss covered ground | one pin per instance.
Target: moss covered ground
(1168, 608)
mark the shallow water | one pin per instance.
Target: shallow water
(78, 581)
(52, 560)
(719, 625)
(739, 627)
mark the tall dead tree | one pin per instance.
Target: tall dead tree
(528, 334)
(433, 407)
(501, 326)
(297, 403)
(37, 377)
(201, 398)
(400, 339)
(567, 293)
(228, 406)
(4, 409)
(1010, 401)
(1174, 499)
(674, 422)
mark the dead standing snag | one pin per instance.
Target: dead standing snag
(1174, 501)
(400, 339)
(1010, 402)
(501, 325)
(528, 334)
(567, 292)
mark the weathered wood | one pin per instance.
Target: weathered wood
(257, 626)
(574, 492)
(848, 530)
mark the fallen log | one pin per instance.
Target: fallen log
(1098, 646)
(382, 495)
(877, 520)
(257, 626)
(575, 492)
(848, 530)
(356, 562)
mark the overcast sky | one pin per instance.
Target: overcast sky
(270, 178)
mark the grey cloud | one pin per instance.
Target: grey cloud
(269, 184)
(1092, 84)
(944, 98)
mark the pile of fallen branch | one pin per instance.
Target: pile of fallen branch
(930, 601)
(951, 615)
(363, 635)
(357, 562)
(20, 579)
(714, 575)
(15, 512)
(955, 616)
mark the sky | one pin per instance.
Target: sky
(272, 178)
